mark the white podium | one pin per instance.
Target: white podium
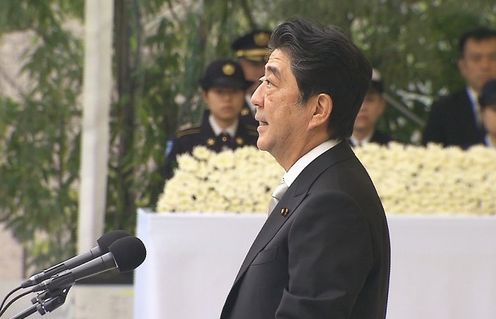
(442, 267)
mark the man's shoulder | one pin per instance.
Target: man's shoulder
(458, 98)
(188, 131)
(189, 137)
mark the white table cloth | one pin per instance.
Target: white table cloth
(442, 267)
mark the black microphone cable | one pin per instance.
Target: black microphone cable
(14, 300)
(45, 302)
(7, 297)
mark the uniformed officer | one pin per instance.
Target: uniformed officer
(223, 90)
(365, 129)
(252, 50)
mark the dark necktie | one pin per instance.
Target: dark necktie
(225, 140)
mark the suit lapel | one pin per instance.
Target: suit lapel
(292, 199)
(466, 111)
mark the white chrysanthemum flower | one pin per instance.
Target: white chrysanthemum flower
(236, 181)
(409, 180)
(412, 179)
(187, 163)
(201, 153)
(224, 161)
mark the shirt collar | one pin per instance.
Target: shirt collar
(473, 96)
(489, 141)
(231, 130)
(356, 142)
(305, 160)
(474, 99)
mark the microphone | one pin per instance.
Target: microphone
(125, 254)
(103, 247)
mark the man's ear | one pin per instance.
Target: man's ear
(205, 96)
(322, 109)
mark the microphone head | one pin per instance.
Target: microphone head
(129, 252)
(107, 239)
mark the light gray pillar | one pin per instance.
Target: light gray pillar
(97, 86)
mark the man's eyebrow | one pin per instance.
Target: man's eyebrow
(274, 70)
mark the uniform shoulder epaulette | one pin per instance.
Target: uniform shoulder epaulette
(188, 131)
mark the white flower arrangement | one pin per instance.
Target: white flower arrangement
(230, 181)
(409, 180)
(432, 179)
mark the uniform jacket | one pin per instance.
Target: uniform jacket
(452, 122)
(186, 139)
(322, 253)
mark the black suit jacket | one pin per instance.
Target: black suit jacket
(328, 257)
(380, 138)
(452, 122)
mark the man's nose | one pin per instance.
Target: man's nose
(257, 97)
(227, 95)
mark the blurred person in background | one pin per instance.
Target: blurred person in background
(373, 106)
(251, 50)
(455, 120)
(487, 101)
(223, 90)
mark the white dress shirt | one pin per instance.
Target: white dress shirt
(295, 170)
(231, 130)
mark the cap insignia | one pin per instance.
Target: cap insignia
(228, 69)
(261, 39)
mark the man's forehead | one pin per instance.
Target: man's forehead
(478, 44)
(278, 60)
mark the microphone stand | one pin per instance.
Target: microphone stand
(46, 301)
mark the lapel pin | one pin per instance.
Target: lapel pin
(284, 212)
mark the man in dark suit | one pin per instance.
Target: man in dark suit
(373, 106)
(454, 120)
(324, 250)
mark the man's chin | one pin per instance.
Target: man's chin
(228, 117)
(360, 126)
(261, 145)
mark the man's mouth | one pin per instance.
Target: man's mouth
(262, 123)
